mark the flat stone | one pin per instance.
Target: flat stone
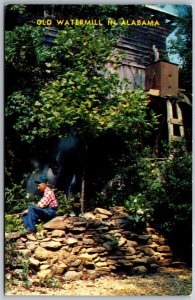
(57, 233)
(111, 262)
(77, 229)
(34, 262)
(101, 216)
(12, 235)
(104, 270)
(155, 238)
(130, 250)
(122, 242)
(76, 249)
(140, 269)
(44, 267)
(150, 230)
(58, 218)
(102, 211)
(75, 263)
(101, 264)
(125, 262)
(166, 262)
(153, 245)
(80, 223)
(45, 274)
(46, 239)
(96, 259)
(21, 246)
(88, 241)
(115, 257)
(166, 254)
(131, 243)
(152, 260)
(69, 258)
(43, 254)
(86, 256)
(119, 209)
(163, 249)
(51, 245)
(23, 239)
(89, 215)
(149, 251)
(162, 241)
(140, 261)
(95, 250)
(59, 269)
(72, 275)
(102, 228)
(62, 239)
(31, 237)
(54, 260)
(116, 233)
(55, 224)
(31, 246)
(71, 241)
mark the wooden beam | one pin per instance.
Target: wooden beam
(154, 92)
(176, 121)
(169, 117)
(179, 115)
(176, 138)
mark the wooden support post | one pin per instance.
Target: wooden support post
(174, 121)
(82, 195)
(179, 115)
(169, 117)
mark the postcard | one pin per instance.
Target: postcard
(98, 149)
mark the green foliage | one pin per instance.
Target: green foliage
(13, 223)
(181, 44)
(158, 191)
(20, 8)
(139, 210)
(114, 243)
(177, 182)
(76, 93)
(48, 282)
(67, 205)
(16, 265)
(15, 198)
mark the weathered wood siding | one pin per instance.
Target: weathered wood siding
(138, 49)
(135, 74)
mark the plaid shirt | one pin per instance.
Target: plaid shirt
(48, 199)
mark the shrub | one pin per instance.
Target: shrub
(16, 265)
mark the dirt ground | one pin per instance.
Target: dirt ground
(168, 281)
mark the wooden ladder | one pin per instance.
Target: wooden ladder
(174, 118)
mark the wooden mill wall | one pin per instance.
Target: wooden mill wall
(138, 49)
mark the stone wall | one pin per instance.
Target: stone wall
(98, 243)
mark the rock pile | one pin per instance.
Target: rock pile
(98, 243)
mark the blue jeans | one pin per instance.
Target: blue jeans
(34, 213)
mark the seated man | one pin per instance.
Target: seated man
(45, 209)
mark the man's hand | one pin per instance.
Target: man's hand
(25, 212)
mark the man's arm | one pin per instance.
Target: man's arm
(46, 199)
(25, 212)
